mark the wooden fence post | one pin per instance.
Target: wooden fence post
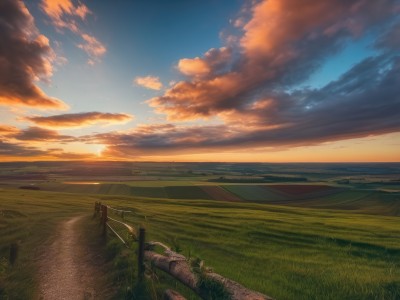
(95, 209)
(13, 253)
(104, 219)
(141, 266)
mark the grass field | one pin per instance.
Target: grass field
(368, 202)
(285, 252)
(334, 236)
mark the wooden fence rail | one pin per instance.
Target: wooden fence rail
(173, 263)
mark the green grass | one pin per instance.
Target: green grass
(163, 183)
(113, 189)
(368, 202)
(285, 252)
(288, 253)
(71, 188)
(151, 192)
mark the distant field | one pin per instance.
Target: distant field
(253, 193)
(219, 193)
(300, 189)
(151, 192)
(320, 196)
(186, 192)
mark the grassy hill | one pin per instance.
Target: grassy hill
(283, 251)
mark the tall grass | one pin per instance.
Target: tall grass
(285, 252)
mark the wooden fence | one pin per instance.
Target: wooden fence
(171, 262)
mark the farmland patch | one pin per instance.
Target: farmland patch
(218, 193)
(301, 189)
(253, 193)
(186, 192)
(151, 192)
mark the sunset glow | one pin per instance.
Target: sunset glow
(240, 81)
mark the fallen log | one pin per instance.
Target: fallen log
(172, 295)
(178, 267)
(237, 290)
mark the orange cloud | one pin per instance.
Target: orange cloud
(57, 9)
(66, 14)
(68, 121)
(33, 134)
(82, 11)
(149, 82)
(213, 61)
(283, 42)
(35, 98)
(14, 150)
(257, 91)
(193, 67)
(7, 130)
(199, 98)
(17, 151)
(92, 47)
(41, 135)
(25, 57)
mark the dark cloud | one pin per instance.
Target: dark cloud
(7, 130)
(13, 151)
(80, 119)
(36, 134)
(254, 87)
(41, 134)
(362, 102)
(25, 56)
(17, 150)
(60, 154)
(282, 44)
(159, 139)
(256, 91)
(391, 38)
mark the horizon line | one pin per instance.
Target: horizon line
(236, 162)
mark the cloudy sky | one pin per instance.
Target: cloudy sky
(211, 80)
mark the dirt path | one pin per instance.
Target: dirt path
(67, 269)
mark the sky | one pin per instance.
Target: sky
(211, 80)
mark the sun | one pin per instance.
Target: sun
(99, 150)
